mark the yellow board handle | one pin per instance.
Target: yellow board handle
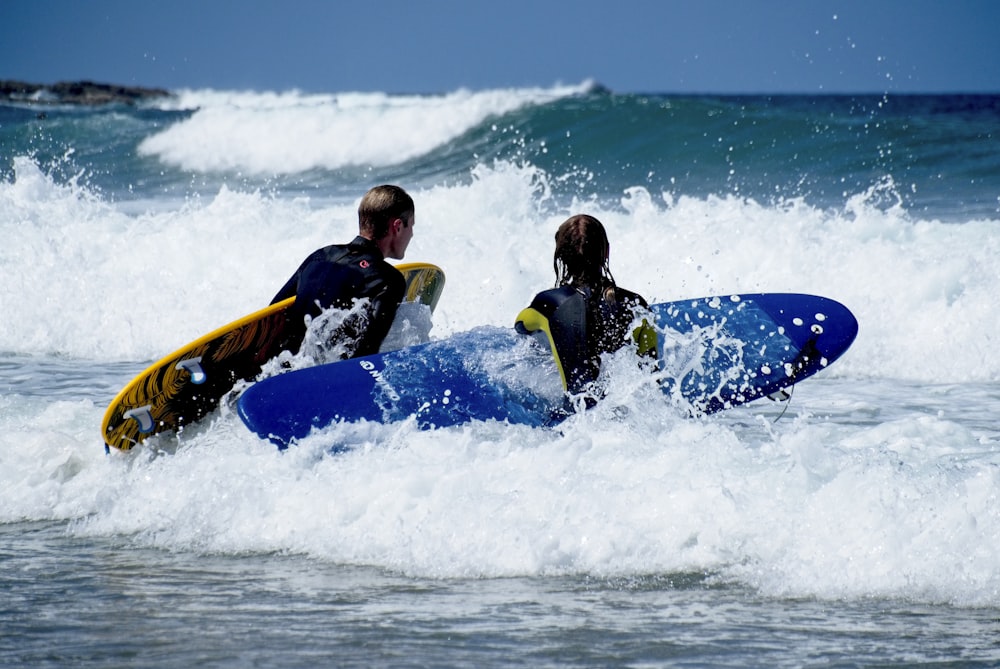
(645, 339)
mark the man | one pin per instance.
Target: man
(336, 276)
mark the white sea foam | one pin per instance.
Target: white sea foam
(86, 279)
(831, 507)
(283, 133)
(879, 481)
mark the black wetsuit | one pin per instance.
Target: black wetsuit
(334, 276)
(586, 323)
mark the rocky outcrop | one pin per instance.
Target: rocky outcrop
(76, 93)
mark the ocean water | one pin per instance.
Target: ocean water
(857, 525)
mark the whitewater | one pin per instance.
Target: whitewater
(857, 524)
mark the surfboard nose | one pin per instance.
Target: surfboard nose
(827, 324)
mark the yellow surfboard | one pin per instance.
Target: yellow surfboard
(186, 385)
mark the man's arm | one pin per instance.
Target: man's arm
(382, 311)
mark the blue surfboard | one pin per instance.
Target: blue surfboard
(714, 353)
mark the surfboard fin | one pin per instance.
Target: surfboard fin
(784, 395)
(781, 395)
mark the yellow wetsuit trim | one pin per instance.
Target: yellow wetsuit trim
(531, 321)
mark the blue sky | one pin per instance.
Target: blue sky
(431, 46)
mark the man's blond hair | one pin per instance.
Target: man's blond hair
(381, 205)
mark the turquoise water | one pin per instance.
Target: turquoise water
(856, 526)
(938, 153)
